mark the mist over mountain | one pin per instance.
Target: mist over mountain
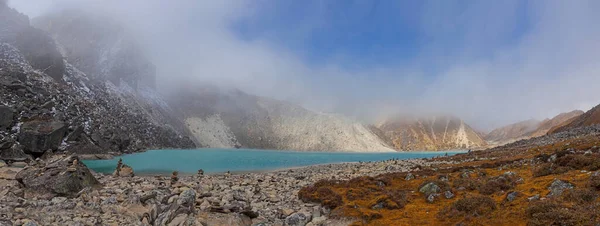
(481, 68)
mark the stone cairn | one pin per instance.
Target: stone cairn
(174, 177)
(119, 166)
(73, 166)
(200, 172)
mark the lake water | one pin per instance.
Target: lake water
(235, 160)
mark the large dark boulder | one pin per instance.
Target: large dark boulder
(14, 153)
(39, 136)
(62, 176)
(6, 117)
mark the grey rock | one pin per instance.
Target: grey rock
(409, 176)
(183, 205)
(511, 196)
(39, 136)
(112, 200)
(430, 188)
(431, 197)
(449, 194)
(6, 117)
(61, 176)
(74, 136)
(558, 187)
(443, 178)
(535, 197)
(14, 153)
(298, 219)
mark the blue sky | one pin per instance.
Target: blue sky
(488, 62)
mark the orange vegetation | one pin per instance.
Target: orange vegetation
(480, 188)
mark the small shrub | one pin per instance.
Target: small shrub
(321, 193)
(580, 196)
(468, 183)
(595, 181)
(470, 206)
(355, 194)
(496, 184)
(551, 213)
(549, 169)
(575, 161)
(395, 199)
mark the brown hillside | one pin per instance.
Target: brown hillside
(561, 119)
(591, 117)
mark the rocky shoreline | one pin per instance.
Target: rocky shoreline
(257, 198)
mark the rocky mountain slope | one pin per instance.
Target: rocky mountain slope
(512, 132)
(48, 104)
(591, 117)
(231, 118)
(435, 133)
(528, 129)
(546, 125)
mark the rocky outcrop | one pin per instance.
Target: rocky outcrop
(436, 133)
(60, 176)
(41, 135)
(37, 47)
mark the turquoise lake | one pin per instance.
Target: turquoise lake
(236, 160)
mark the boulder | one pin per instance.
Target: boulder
(298, 219)
(38, 136)
(558, 187)
(182, 210)
(511, 196)
(6, 117)
(14, 154)
(62, 176)
(430, 188)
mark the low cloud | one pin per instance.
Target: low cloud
(465, 67)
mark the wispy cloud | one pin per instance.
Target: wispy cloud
(489, 62)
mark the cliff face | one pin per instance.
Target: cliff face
(435, 133)
(67, 110)
(231, 118)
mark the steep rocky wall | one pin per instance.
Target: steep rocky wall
(434, 133)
